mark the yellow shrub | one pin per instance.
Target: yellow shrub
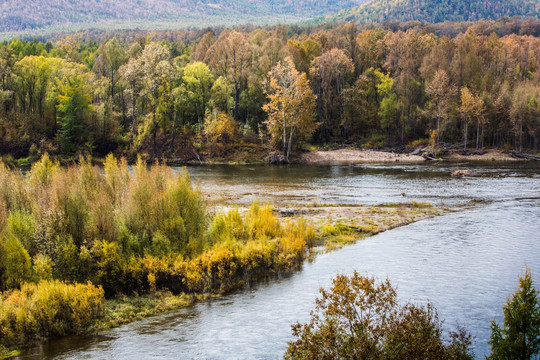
(47, 309)
(261, 222)
(42, 172)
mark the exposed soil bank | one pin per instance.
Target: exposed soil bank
(374, 156)
(356, 156)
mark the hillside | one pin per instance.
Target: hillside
(435, 11)
(61, 15)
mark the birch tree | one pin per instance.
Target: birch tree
(291, 109)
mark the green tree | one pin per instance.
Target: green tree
(198, 81)
(16, 262)
(72, 106)
(157, 71)
(220, 95)
(519, 337)
(231, 56)
(390, 106)
(112, 56)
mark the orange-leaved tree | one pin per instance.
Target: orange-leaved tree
(291, 109)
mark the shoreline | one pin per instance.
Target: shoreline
(360, 156)
(336, 225)
(317, 157)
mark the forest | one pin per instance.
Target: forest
(60, 15)
(206, 93)
(435, 11)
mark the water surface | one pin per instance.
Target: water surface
(466, 262)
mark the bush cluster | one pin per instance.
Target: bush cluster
(127, 230)
(46, 309)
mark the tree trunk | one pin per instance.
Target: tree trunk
(133, 109)
(236, 100)
(520, 135)
(477, 134)
(290, 143)
(112, 85)
(465, 142)
(154, 121)
(284, 134)
(438, 122)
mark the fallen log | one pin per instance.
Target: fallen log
(429, 155)
(524, 156)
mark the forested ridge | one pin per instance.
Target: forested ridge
(213, 94)
(17, 16)
(436, 11)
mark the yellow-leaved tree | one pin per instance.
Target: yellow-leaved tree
(291, 109)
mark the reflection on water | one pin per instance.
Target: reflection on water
(466, 262)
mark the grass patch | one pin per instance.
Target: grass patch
(126, 309)
(6, 353)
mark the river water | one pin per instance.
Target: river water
(466, 263)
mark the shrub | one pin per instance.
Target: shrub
(226, 226)
(41, 173)
(359, 318)
(17, 267)
(47, 309)
(260, 222)
(22, 226)
(14, 193)
(137, 231)
(42, 268)
(220, 128)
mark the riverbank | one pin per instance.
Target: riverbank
(256, 154)
(356, 156)
(335, 225)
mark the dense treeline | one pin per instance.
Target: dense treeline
(437, 11)
(205, 96)
(501, 27)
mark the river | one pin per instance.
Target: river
(466, 263)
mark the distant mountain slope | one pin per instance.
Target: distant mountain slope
(435, 11)
(24, 15)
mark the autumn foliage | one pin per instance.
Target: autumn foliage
(171, 95)
(360, 318)
(122, 230)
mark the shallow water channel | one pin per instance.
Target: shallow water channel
(466, 262)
